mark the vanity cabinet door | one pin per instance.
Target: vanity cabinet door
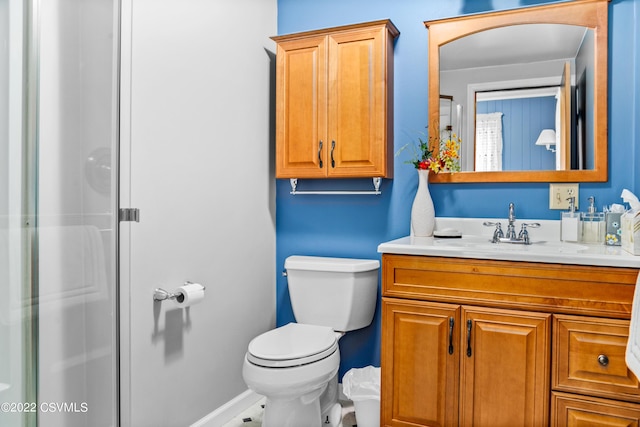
(420, 362)
(505, 368)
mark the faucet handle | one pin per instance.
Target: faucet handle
(531, 224)
(491, 224)
(524, 234)
(498, 233)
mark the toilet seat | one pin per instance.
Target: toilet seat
(294, 344)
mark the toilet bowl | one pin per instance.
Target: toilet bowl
(296, 365)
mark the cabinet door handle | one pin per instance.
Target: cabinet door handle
(603, 360)
(451, 323)
(320, 155)
(469, 324)
(333, 147)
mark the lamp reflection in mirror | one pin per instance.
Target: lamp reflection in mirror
(547, 138)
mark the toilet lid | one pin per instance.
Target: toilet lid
(292, 345)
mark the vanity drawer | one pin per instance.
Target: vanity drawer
(542, 287)
(575, 410)
(589, 357)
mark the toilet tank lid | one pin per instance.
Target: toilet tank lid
(340, 265)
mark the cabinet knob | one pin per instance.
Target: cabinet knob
(320, 155)
(603, 360)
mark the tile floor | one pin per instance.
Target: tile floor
(252, 417)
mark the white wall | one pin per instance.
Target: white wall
(197, 156)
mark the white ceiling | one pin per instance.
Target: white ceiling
(512, 45)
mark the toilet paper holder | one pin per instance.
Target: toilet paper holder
(160, 294)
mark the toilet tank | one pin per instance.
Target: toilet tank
(337, 292)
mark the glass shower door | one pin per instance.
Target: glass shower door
(17, 314)
(58, 213)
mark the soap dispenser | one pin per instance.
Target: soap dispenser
(570, 223)
(593, 224)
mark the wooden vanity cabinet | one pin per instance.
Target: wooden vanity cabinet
(447, 364)
(533, 356)
(334, 102)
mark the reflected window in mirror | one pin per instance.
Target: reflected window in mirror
(523, 115)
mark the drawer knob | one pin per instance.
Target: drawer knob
(603, 360)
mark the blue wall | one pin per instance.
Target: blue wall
(353, 226)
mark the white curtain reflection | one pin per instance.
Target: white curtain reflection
(489, 142)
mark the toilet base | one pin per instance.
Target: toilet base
(333, 418)
(331, 410)
(317, 409)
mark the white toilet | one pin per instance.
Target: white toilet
(295, 366)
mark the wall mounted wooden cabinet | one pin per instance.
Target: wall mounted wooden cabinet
(468, 342)
(334, 102)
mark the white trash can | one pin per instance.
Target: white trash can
(362, 386)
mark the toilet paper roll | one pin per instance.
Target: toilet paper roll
(189, 294)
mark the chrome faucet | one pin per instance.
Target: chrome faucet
(511, 228)
(510, 237)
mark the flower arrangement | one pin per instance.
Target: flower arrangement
(446, 159)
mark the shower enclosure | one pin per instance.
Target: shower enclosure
(58, 213)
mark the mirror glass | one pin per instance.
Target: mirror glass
(527, 99)
(509, 81)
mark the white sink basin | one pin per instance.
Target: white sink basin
(482, 243)
(476, 244)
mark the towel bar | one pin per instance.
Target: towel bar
(375, 192)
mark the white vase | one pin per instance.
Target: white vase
(423, 214)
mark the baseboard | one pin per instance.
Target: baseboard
(226, 412)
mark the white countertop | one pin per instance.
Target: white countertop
(476, 243)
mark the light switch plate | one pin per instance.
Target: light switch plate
(560, 192)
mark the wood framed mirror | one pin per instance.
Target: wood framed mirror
(496, 68)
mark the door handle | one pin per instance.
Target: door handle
(469, 324)
(320, 155)
(333, 147)
(451, 323)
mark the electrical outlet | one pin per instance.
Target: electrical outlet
(559, 193)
